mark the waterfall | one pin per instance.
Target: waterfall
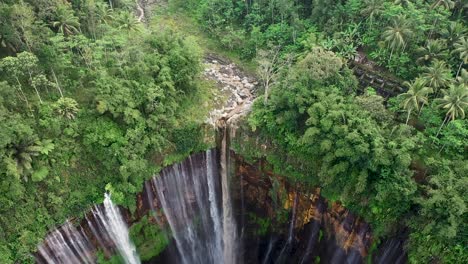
(190, 194)
(229, 227)
(213, 200)
(113, 228)
(287, 246)
(65, 245)
(314, 233)
(293, 219)
(271, 243)
(391, 252)
(313, 239)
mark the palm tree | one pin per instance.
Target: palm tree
(22, 154)
(438, 75)
(463, 78)
(402, 2)
(454, 101)
(416, 96)
(372, 8)
(434, 49)
(127, 21)
(453, 32)
(447, 4)
(461, 46)
(104, 13)
(66, 107)
(398, 34)
(66, 21)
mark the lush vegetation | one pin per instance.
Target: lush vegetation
(93, 100)
(398, 163)
(89, 97)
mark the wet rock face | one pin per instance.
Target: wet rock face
(277, 222)
(320, 229)
(237, 88)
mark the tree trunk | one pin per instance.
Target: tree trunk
(267, 87)
(440, 128)
(459, 69)
(407, 118)
(433, 26)
(442, 148)
(57, 83)
(22, 93)
(35, 88)
(391, 54)
(420, 110)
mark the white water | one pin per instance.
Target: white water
(284, 252)
(213, 201)
(65, 245)
(229, 227)
(269, 249)
(113, 227)
(189, 195)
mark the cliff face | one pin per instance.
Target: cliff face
(277, 222)
(304, 226)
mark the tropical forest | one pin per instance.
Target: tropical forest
(233, 131)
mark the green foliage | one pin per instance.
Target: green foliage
(329, 137)
(40, 174)
(311, 129)
(148, 238)
(439, 230)
(89, 99)
(115, 259)
(262, 224)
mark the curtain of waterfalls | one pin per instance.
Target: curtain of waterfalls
(68, 245)
(190, 194)
(65, 245)
(192, 199)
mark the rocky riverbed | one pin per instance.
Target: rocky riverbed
(237, 89)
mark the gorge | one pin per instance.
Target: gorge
(214, 207)
(233, 131)
(288, 225)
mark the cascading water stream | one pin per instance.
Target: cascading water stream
(271, 243)
(113, 228)
(212, 196)
(287, 245)
(229, 226)
(314, 234)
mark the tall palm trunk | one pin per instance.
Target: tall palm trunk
(459, 69)
(443, 123)
(35, 88)
(57, 83)
(420, 109)
(409, 114)
(391, 53)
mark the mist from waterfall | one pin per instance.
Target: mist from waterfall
(190, 194)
